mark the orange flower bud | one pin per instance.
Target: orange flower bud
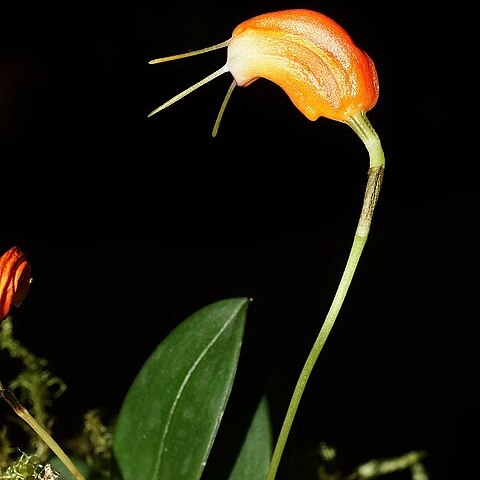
(15, 280)
(307, 54)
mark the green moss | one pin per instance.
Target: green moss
(27, 467)
(35, 386)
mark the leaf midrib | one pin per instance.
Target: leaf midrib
(182, 388)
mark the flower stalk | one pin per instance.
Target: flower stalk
(365, 131)
(10, 398)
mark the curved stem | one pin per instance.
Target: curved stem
(23, 413)
(367, 134)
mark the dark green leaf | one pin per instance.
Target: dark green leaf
(256, 452)
(172, 411)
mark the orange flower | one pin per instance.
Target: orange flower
(307, 54)
(310, 57)
(15, 280)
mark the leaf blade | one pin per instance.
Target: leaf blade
(255, 454)
(172, 411)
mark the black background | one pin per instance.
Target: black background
(131, 224)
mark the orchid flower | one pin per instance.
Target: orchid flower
(317, 64)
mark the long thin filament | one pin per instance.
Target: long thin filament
(190, 89)
(190, 54)
(222, 108)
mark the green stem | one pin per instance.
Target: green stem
(367, 134)
(23, 413)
